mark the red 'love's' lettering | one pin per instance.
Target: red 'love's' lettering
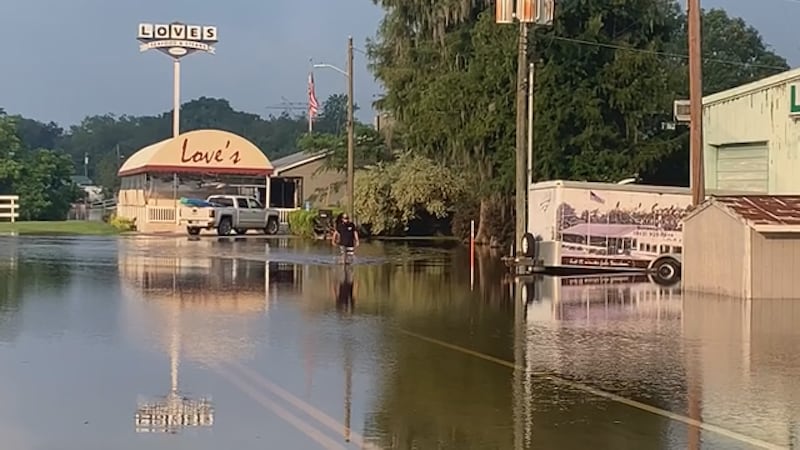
(207, 156)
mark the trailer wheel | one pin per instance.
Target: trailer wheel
(527, 247)
(193, 231)
(665, 270)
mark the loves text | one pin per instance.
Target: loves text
(209, 156)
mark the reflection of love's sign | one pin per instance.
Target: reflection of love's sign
(209, 156)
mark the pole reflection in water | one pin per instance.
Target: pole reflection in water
(522, 395)
(184, 300)
(345, 303)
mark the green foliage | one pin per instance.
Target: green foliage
(389, 196)
(606, 79)
(55, 228)
(121, 224)
(108, 140)
(301, 222)
(40, 177)
(369, 148)
(333, 117)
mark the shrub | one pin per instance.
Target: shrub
(301, 222)
(121, 224)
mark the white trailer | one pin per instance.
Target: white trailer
(585, 227)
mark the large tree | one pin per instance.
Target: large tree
(734, 53)
(449, 79)
(604, 89)
(605, 82)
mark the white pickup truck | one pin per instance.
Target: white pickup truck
(228, 213)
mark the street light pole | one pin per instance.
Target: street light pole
(350, 124)
(350, 131)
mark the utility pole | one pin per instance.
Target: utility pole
(528, 14)
(696, 103)
(350, 130)
(531, 73)
(521, 163)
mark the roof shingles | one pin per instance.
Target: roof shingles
(764, 209)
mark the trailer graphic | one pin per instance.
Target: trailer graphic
(584, 226)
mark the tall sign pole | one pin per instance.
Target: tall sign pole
(529, 14)
(696, 103)
(177, 40)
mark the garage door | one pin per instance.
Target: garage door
(743, 168)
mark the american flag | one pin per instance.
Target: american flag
(595, 198)
(313, 105)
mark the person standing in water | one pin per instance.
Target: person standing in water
(345, 236)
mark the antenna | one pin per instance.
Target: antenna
(288, 106)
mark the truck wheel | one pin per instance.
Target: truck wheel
(241, 230)
(272, 226)
(225, 227)
(193, 231)
(665, 271)
(527, 247)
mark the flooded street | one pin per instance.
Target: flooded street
(252, 343)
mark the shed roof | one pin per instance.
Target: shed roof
(297, 159)
(763, 213)
(200, 151)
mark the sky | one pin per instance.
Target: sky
(63, 60)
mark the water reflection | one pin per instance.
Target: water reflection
(193, 306)
(745, 363)
(401, 354)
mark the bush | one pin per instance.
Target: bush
(121, 224)
(389, 197)
(301, 222)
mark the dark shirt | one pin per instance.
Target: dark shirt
(347, 234)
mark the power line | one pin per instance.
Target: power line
(665, 54)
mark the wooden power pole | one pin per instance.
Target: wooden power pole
(697, 182)
(350, 130)
(529, 14)
(521, 147)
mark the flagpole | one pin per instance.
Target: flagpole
(310, 117)
(312, 95)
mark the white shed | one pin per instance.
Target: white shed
(751, 135)
(745, 246)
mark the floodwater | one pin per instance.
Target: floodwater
(253, 343)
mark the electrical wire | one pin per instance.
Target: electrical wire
(666, 54)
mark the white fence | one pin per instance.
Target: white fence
(9, 207)
(283, 214)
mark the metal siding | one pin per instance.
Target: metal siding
(775, 262)
(317, 180)
(711, 240)
(743, 168)
(760, 115)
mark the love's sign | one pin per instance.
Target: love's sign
(209, 156)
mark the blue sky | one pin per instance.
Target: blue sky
(66, 59)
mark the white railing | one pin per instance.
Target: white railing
(9, 207)
(283, 214)
(160, 214)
